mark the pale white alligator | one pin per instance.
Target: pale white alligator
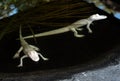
(29, 51)
(74, 27)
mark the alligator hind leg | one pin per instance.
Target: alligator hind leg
(17, 54)
(76, 33)
(35, 48)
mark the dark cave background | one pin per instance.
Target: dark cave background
(63, 50)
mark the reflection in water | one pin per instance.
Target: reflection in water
(108, 6)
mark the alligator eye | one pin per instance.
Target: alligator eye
(97, 14)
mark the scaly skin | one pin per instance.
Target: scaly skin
(73, 27)
(29, 51)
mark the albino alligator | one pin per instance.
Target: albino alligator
(72, 27)
(29, 51)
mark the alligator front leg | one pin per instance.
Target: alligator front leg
(88, 27)
(21, 60)
(45, 59)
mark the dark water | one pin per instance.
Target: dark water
(63, 50)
